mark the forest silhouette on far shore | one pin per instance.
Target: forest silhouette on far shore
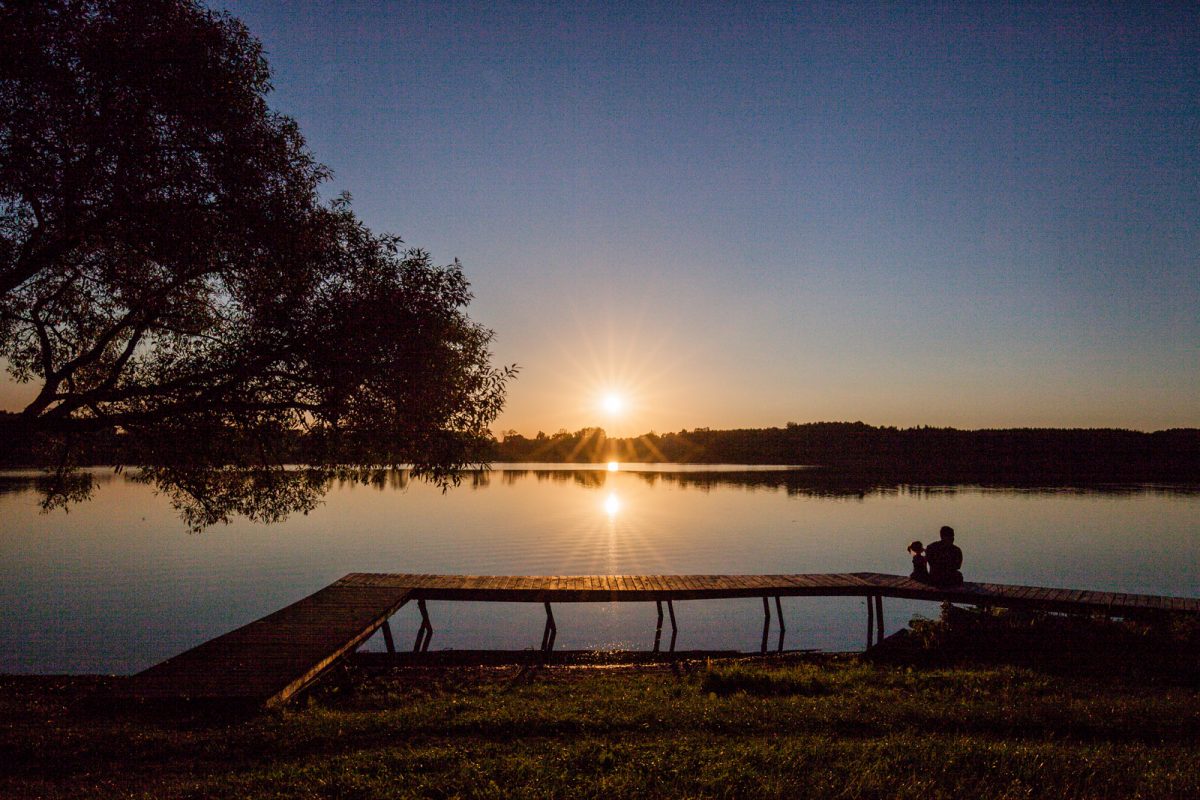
(1053, 455)
(924, 454)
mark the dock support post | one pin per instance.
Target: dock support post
(782, 629)
(425, 632)
(870, 620)
(878, 619)
(766, 622)
(388, 641)
(658, 626)
(550, 631)
(674, 629)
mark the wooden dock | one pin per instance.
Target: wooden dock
(267, 661)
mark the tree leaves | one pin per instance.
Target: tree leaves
(169, 273)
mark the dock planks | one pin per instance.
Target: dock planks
(634, 588)
(269, 660)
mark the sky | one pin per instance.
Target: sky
(741, 215)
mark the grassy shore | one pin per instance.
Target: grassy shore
(791, 726)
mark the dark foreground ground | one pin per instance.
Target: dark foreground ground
(931, 717)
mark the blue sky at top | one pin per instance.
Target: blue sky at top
(739, 215)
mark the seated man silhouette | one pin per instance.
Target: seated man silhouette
(945, 560)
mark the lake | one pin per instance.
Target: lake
(118, 583)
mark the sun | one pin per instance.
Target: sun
(613, 403)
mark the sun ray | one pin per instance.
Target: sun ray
(592, 437)
(652, 447)
(617, 374)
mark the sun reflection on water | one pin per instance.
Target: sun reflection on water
(612, 505)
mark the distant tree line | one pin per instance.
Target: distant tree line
(924, 452)
(1024, 455)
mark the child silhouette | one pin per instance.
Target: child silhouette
(920, 570)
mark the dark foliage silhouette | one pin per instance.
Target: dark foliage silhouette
(171, 278)
(1015, 456)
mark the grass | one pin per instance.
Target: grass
(978, 705)
(832, 727)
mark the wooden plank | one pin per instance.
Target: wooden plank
(1023, 594)
(1057, 596)
(1150, 601)
(1076, 597)
(1127, 601)
(1035, 594)
(768, 584)
(270, 659)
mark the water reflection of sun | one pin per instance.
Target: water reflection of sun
(612, 505)
(616, 528)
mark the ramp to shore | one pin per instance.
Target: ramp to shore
(269, 660)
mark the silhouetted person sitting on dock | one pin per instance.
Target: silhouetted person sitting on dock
(920, 571)
(945, 560)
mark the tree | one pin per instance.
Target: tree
(170, 275)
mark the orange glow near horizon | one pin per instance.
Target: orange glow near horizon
(610, 376)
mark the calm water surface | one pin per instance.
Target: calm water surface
(118, 583)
